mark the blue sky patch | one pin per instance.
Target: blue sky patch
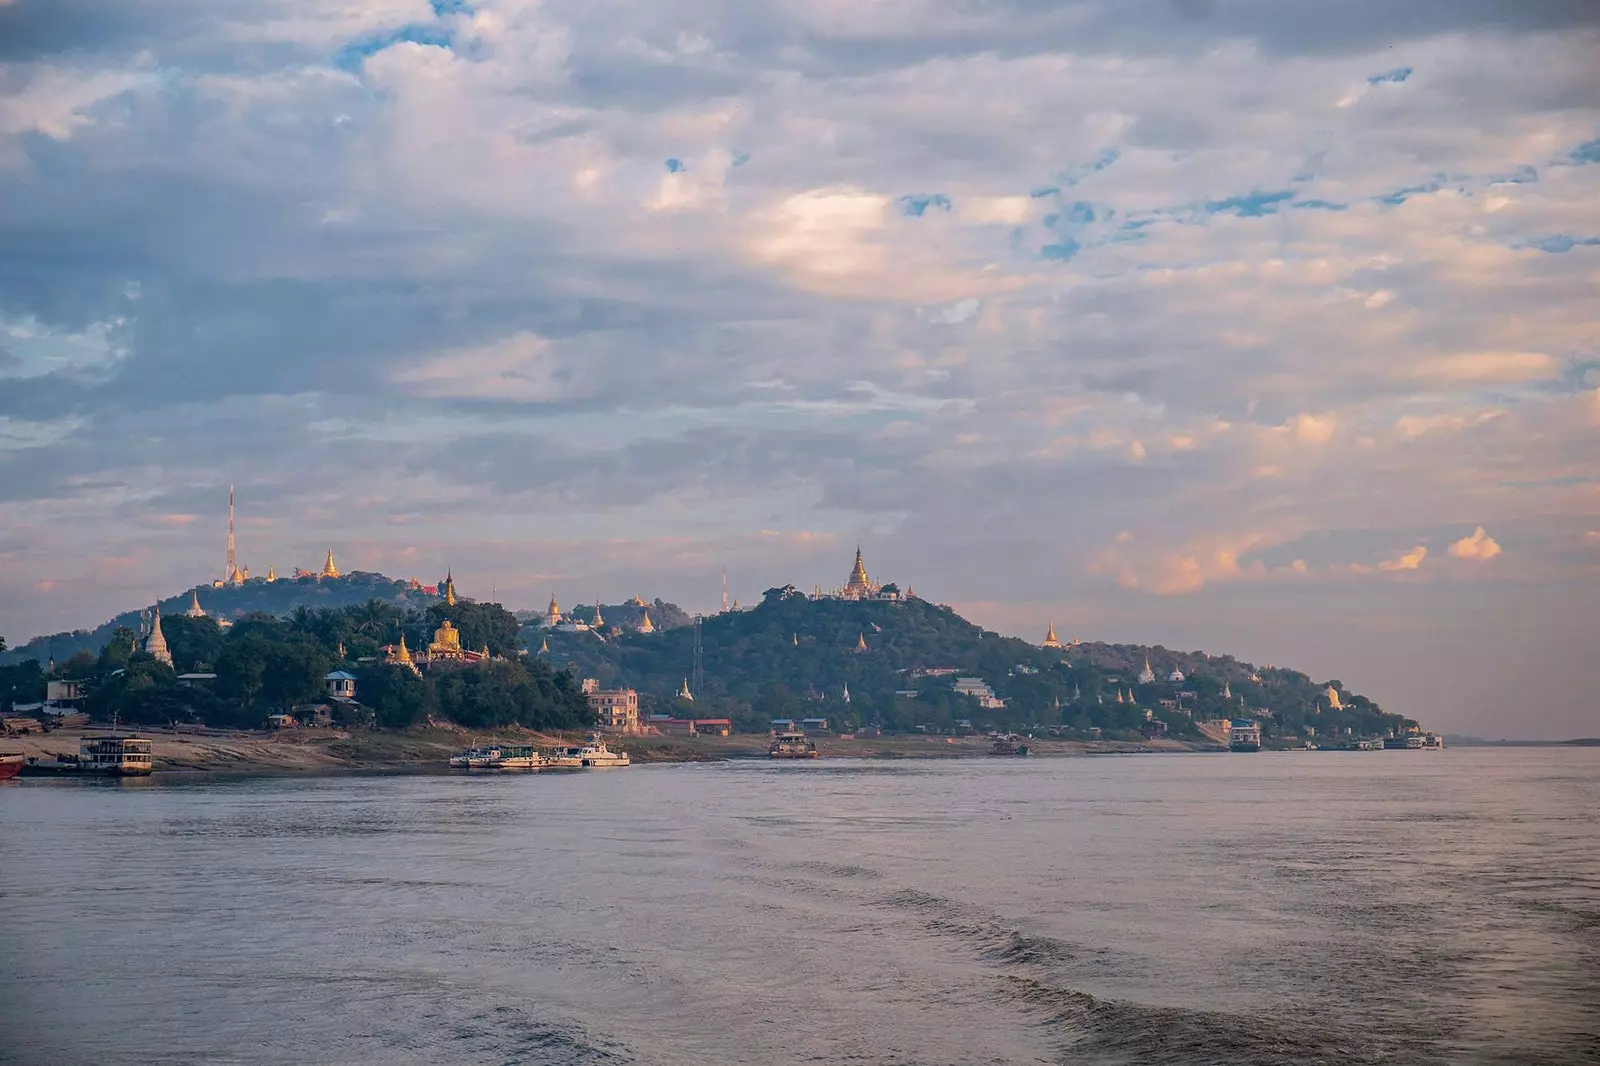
(917, 205)
(1319, 205)
(1044, 191)
(1061, 251)
(741, 158)
(351, 55)
(1073, 175)
(1390, 77)
(1587, 152)
(1523, 175)
(675, 166)
(1560, 242)
(1400, 196)
(451, 7)
(1254, 205)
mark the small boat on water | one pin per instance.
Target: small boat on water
(562, 759)
(595, 755)
(1008, 744)
(519, 757)
(476, 758)
(793, 745)
(11, 763)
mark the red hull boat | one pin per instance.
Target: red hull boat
(10, 764)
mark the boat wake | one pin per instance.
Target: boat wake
(1035, 975)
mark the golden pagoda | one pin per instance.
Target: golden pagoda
(449, 590)
(400, 655)
(861, 642)
(552, 614)
(329, 570)
(194, 610)
(637, 601)
(859, 584)
(544, 647)
(1050, 640)
(272, 574)
(645, 625)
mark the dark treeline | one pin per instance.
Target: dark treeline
(265, 665)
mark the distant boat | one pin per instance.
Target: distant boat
(792, 746)
(476, 758)
(1009, 744)
(110, 754)
(11, 763)
(595, 755)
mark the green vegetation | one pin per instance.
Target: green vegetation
(265, 665)
(792, 656)
(255, 596)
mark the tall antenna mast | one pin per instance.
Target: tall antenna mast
(232, 568)
(724, 590)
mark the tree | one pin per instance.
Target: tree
(294, 672)
(399, 697)
(193, 642)
(21, 683)
(242, 666)
(117, 650)
(480, 624)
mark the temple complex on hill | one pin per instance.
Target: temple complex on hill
(858, 586)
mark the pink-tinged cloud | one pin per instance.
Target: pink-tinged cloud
(1479, 547)
(1411, 560)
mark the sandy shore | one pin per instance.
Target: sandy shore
(311, 751)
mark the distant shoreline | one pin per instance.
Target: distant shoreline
(425, 751)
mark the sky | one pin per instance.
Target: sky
(1265, 327)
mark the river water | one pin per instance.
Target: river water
(1394, 907)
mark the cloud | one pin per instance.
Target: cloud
(973, 282)
(1478, 547)
(1499, 367)
(1410, 560)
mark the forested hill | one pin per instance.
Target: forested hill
(792, 656)
(256, 595)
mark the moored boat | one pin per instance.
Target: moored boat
(11, 763)
(1008, 744)
(1244, 734)
(562, 759)
(518, 757)
(793, 745)
(476, 758)
(117, 755)
(595, 755)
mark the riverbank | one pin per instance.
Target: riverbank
(321, 751)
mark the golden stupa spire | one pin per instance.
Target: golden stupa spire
(861, 642)
(449, 589)
(403, 655)
(272, 574)
(1050, 640)
(329, 570)
(858, 573)
(544, 647)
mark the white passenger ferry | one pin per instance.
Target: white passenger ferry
(115, 754)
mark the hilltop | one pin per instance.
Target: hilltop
(899, 658)
(794, 656)
(254, 596)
